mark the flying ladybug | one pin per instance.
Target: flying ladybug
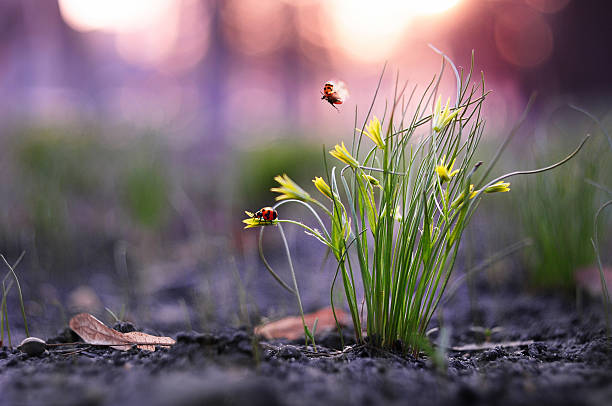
(334, 92)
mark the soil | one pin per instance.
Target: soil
(568, 363)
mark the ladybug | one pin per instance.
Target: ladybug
(334, 93)
(266, 214)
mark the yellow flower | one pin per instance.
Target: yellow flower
(442, 117)
(252, 221)
(445, 171)
(373, 131)
(341, 153)
(372, 180)
(459, 200)
(500, 186)
(323, 187)
(289, 189)
(496, 187)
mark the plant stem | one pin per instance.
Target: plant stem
(25, 321)
(295, 286)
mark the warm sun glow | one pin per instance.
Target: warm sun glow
(112, 15)
(369, 30)
(431, 6)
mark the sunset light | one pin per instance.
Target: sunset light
(362, 29)
(370, 30)
(430, 7)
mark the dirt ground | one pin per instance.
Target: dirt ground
(568, 363)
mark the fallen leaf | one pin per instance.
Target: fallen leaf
(94, 332)
(292, 327)
(152, 341)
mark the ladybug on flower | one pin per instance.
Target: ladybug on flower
(263, 217)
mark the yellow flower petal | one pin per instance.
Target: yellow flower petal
(461, 198)
(445, 171)
(441, 118)
(289, 189)
(253, 222)
(322, 186)
(500, 186)
(342, 154)
(373, 131)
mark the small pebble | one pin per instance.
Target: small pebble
(32, 346)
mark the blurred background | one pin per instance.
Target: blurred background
(135, 133)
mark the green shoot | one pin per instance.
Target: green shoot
(3, 306)
(4, 317)
(604, 287)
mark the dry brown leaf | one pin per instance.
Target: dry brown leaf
(292, 328)
(93, 331)
(142, 338)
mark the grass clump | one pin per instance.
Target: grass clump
(398, 207)
(556, 212)
(605, 293)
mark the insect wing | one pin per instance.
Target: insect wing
(341, 92)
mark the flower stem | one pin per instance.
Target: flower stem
(295, 285)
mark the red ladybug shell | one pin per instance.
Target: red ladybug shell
(267, 214)
(334, 92)
(328, 89)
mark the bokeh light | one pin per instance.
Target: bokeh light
(114, 15)
(523, 37)
(255, 27)
(147, 33)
